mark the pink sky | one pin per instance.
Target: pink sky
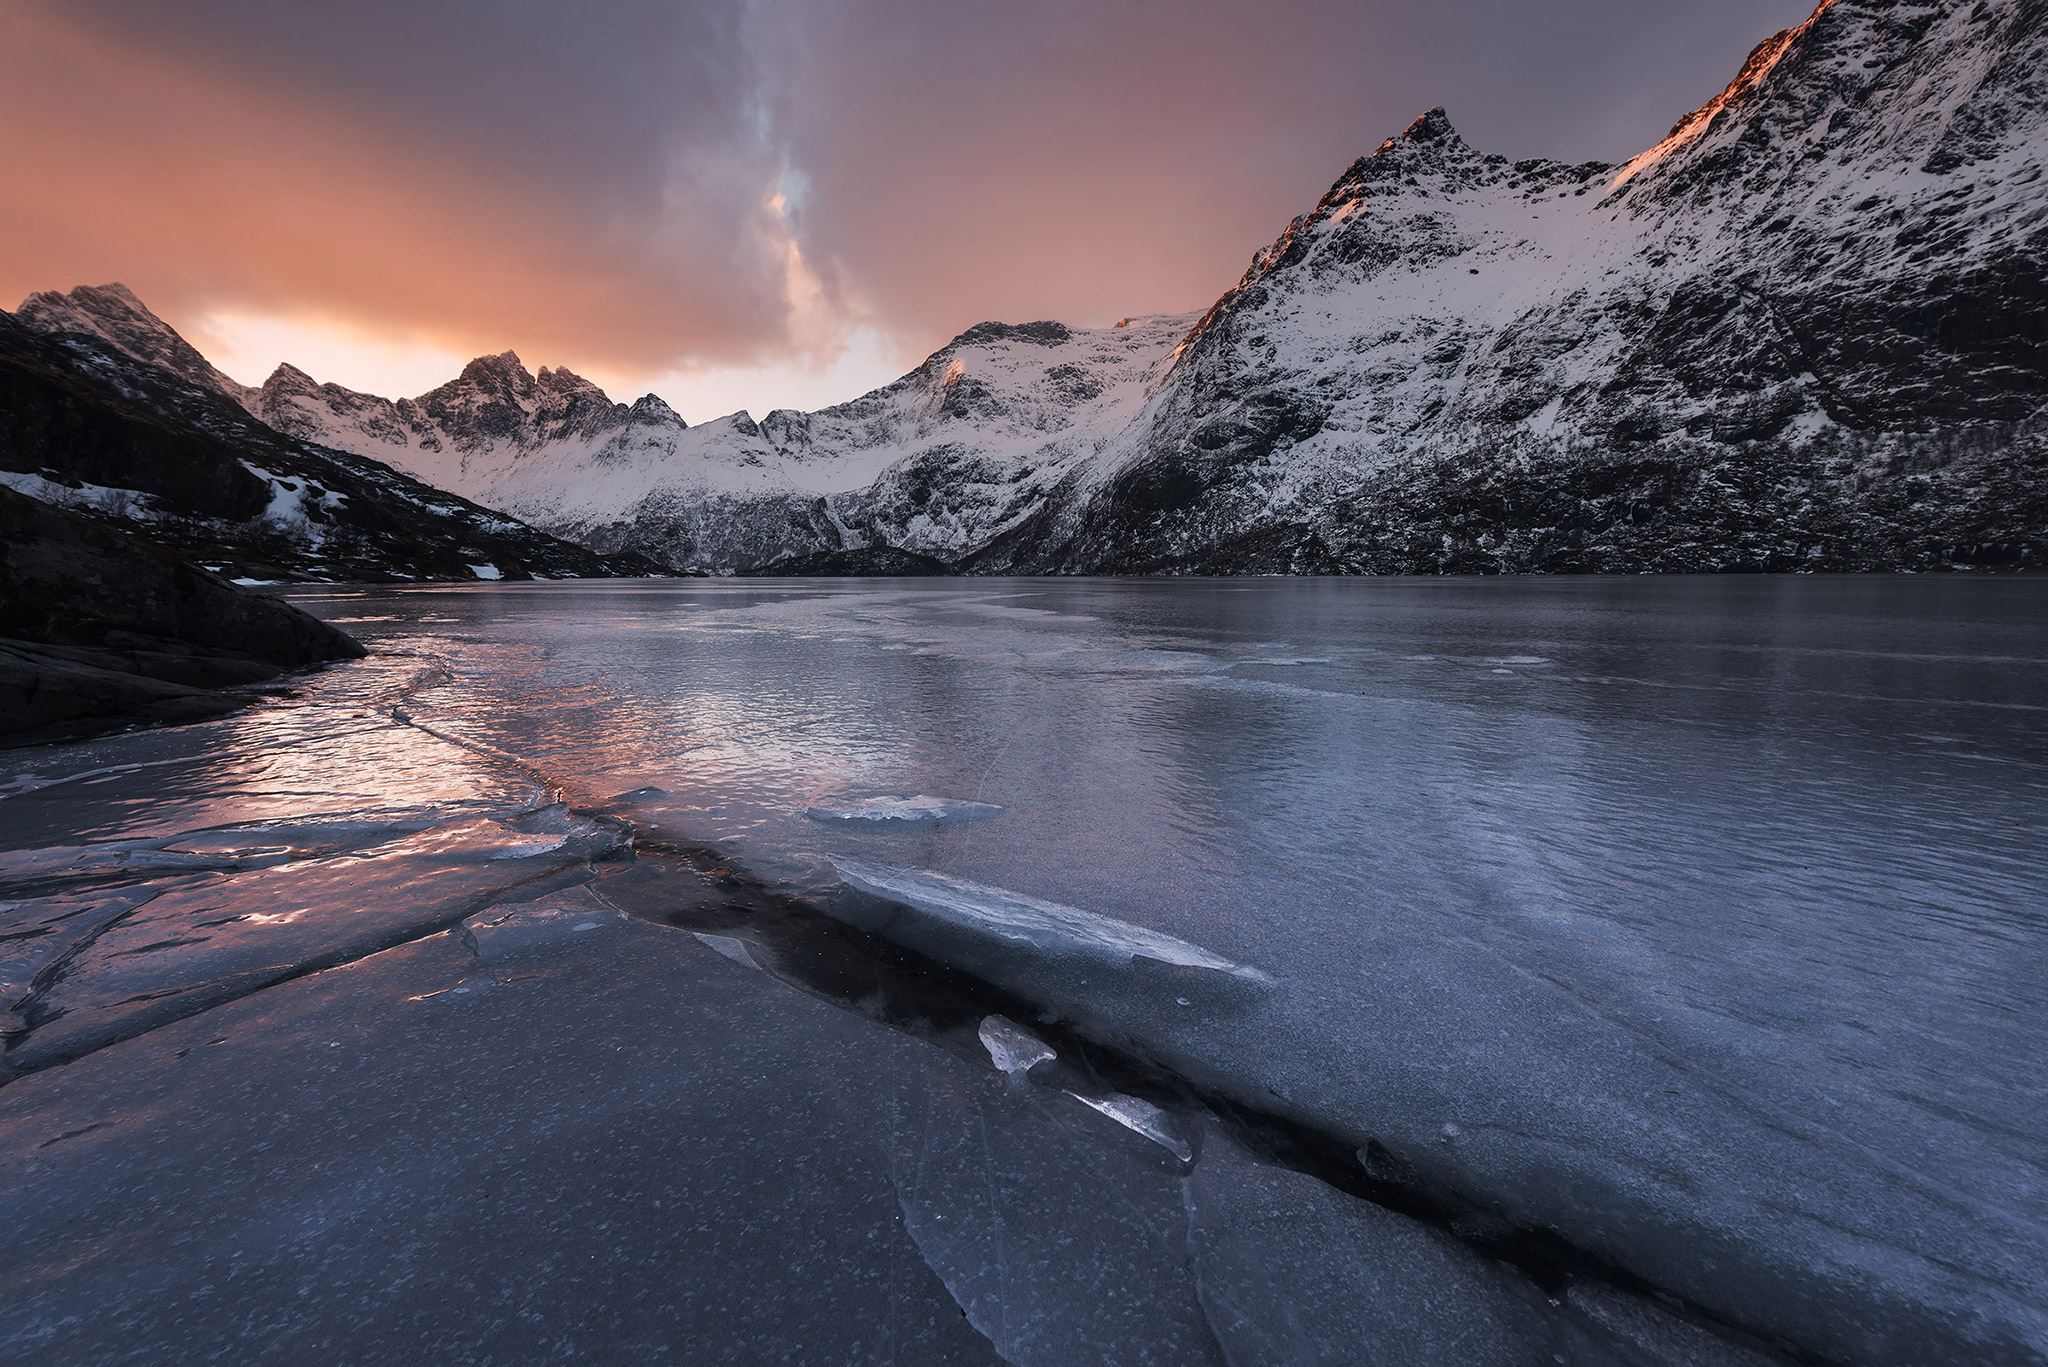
(742, 204)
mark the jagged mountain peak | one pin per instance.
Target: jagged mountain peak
(1429, 127)
(652, 408)
(113, 313)
(1862, 88)
(503, 372)
(1044, 333)
(562, 380)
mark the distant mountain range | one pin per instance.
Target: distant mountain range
(109, 414)
(1808, 330)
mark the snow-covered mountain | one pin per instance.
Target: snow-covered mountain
(1809, 329)
(952, 454)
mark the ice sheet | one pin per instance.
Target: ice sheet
(1709, 939)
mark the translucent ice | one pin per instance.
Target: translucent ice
(508, 930)
(1010, 1048)
(1140, 1117)
(736, 950)
(1029, 921)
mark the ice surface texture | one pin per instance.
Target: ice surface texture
(1707, 940)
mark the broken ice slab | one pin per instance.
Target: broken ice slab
(1018, 919)
(537, 1158)
(922, 809)
(1010, 1047)
(1290, 1270)
(518, 928)
(36, 936)
(1140, 1117)
(1063, 1242)
(53, 862)
(196, 941)
(226, 848)
(739, 951)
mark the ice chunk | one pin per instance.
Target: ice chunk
(1029, 921)
(526, 849)
(1140, 1117)
(923, 808)
(737, 950)
(506, 930)
(1011, 1048)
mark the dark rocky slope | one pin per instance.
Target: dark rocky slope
(101, 629)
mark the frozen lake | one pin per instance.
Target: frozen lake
(1695, 930)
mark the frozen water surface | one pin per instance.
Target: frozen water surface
(1692, 930)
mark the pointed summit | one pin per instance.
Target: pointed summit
(112, 314)
(503, 369)
(1430, 135)
(1434, 126)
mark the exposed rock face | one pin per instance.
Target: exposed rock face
(98, 628)
(1809, 329)
(87, 425)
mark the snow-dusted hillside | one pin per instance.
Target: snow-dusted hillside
(1808, 329)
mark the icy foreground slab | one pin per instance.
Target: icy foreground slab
(1030, 922)
(512, 931)
(80, 972)
(921, 810)
(439, 1155)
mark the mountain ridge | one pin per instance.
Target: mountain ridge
(1805, 330)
